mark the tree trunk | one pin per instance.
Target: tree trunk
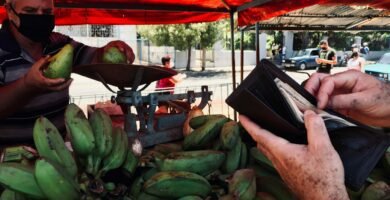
(203, 59)
(188, 68)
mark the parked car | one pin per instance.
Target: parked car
(307, 59)
(303, 60)
(381, 69)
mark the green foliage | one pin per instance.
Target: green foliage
(377, 40)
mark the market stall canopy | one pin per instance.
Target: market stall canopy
(321, 17)
(318, 12)
(73, 12)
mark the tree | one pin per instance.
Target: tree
(209, 34)
(180, 36)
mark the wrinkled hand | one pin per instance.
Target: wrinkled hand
(37, 83)
(312, 171)
(123, 47)
(355, 94)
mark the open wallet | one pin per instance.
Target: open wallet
(272, 99)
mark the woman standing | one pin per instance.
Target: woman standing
(356, 62)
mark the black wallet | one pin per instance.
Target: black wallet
(260, 98)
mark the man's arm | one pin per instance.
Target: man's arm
(17, 94)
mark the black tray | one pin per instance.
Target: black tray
(123, 75)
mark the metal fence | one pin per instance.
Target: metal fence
(217, 104)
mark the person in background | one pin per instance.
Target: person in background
(365, 50)
(315, 170)
(327, 58)
(165, 85)
(27, 41)
(356, 62)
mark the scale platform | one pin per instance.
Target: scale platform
(153, 129)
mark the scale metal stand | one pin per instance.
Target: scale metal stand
(153, 129)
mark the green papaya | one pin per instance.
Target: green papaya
(60, 64)
(113, 55)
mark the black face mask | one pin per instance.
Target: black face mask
(323, 48)
(35, 27)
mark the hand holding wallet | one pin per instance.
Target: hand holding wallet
(276, 102)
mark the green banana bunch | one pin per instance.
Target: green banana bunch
(55, 184)
(20, 178)
(230, 134)
(198, 121)
(11, 195)
(202, 162)
(130, 164)
(81, 135)
(233, 158)
(50, 145)
(376, 191)
(177, 184)
(102, 129)
(119, 151)
(204, 135)
(243, 184)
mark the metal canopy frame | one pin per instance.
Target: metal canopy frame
(298, 27)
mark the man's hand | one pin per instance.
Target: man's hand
(353, 93)
(319, 60)
(312, 171)
(123, 47)
(37, 83)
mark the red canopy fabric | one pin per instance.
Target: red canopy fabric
(72, 12)
(279, 7)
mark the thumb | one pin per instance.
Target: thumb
(317, 135)
(41, 63)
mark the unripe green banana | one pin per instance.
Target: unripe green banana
(198, 121)
(81, 135)
(243, 184)
(205, 134)
(119, 151)
(177, 184)
(50, 145)
(233, 158)
(274, 186)
(243, 156)
(20, 178)
(230, 134)
(130, 164)
(138, 182)
(262, 160)
(55, 184)
(11, 195)
(202, 162)
(101, 125)
(190, 198)
(168, 148)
